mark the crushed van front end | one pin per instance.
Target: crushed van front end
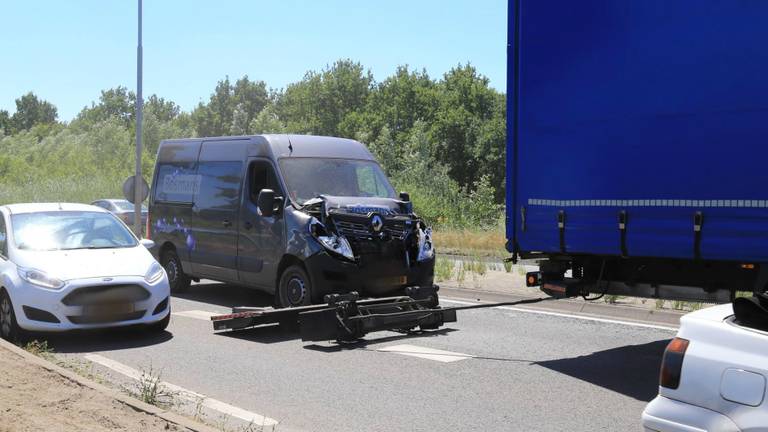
(374, 246)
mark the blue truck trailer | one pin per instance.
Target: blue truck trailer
(637, 146)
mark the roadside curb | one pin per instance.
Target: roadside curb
(582, 308)
(136, 404)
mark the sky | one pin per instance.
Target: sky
(66, 52)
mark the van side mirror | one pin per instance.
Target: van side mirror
(266, 202)
(405, 196)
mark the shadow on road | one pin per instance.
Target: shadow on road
(631, 370)
(104, 340)
(226, 295)
(371, 340)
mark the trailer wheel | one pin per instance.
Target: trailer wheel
(178, 281)
(294, 288)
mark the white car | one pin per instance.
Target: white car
(713, 377)
(75, 266)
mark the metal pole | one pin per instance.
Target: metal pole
(139, 106)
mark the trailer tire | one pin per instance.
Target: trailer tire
(294, 288)
(178, 281)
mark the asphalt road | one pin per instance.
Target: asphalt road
(506, 370)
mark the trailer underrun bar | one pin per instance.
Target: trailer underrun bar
(346, 318)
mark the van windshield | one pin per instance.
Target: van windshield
(307, 178)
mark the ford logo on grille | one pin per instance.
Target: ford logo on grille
(376, 223)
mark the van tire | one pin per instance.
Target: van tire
(9, 328)
(294, 288)
(178, 281)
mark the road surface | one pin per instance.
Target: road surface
(496, 369)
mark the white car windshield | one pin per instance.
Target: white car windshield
(67, 230)
(308, 178)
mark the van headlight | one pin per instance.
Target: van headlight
(332, 242)
(155, 273)
(40, 278)
(426, 247)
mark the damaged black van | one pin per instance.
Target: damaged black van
(296, 216)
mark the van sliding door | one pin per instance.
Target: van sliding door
(216, 209)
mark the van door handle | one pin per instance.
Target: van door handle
(226, 223)
(248, 225)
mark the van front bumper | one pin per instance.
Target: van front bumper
(374, 276)
(668, 415)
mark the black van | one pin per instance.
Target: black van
(294, 215)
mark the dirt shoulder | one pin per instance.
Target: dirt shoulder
(35, 398)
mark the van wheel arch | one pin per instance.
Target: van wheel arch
(178, 280)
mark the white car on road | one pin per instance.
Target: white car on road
(75, 266)
(713, 377)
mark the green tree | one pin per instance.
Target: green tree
(267, 122)
(163, 110)
(468, 129)
(217, 117)
(116, 103)
(31, 111)
(321, 101)
(5, 123)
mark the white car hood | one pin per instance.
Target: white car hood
(87, 263)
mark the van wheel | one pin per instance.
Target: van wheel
(176, 278)
(9, 328)
(294, 288)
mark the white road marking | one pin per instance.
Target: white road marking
(197, 314)
(205, 401)
(426, 353)
(565, 315)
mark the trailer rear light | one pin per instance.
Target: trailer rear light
(672, 363)
(748, 266)
(533, 279)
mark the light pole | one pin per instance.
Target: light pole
(138, 198)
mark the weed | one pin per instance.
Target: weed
(660, 303)
(521, 270)
(444, 269)
(40, 349)
(508, 266)
(467, 241)
(151, 390)
(611, 298)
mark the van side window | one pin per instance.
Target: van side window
(219, 185)
(177, 182)
(261, 175)
(3, 238)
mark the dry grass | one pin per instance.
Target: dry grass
(471, 242)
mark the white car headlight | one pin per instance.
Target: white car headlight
(155, 273)
(334, 243)
(426, 247)
(40, 278)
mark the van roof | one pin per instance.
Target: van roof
(285, 145)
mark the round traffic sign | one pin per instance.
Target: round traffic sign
(129, 188)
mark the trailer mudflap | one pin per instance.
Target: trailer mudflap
(345, 317)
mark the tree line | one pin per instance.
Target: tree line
(442, 139)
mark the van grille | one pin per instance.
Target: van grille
(396, 229)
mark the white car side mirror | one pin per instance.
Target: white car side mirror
(147, 243)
